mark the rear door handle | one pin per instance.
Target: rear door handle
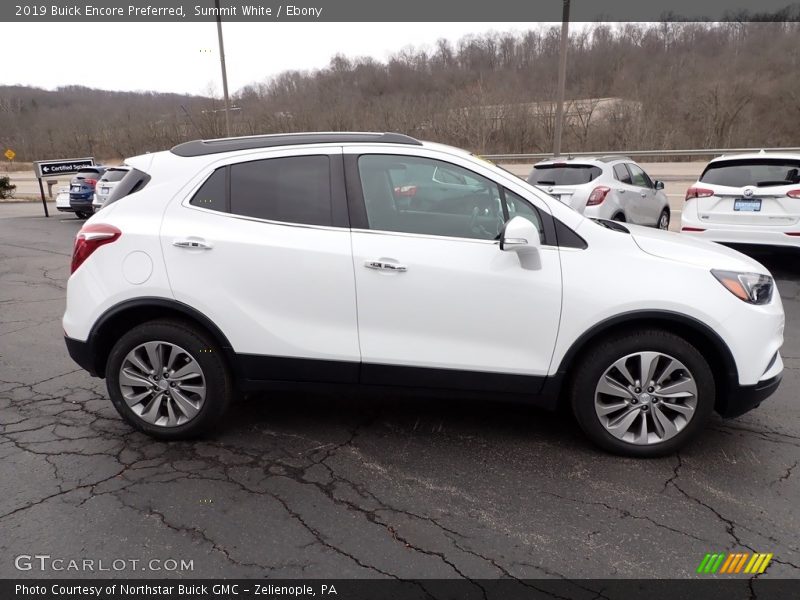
(385, 266)
(194, 244)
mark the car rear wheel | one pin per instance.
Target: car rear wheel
(643, 394)
(82, 215)
(663, 219)
(168, 379)
(619, 217)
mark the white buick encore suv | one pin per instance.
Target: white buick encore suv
(377, 260)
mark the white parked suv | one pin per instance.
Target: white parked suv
(609, 187)
(105, 184)
(746, 199)
(379, 260)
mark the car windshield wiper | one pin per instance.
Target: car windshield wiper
(545, 182)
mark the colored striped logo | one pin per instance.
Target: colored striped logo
(731, 563)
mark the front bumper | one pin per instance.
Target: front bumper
(744, 398)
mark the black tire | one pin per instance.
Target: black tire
(619, 218)
(218, 386)
(664, 214)
(592, 365)
(81, 215)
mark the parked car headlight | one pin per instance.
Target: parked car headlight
(750, 287)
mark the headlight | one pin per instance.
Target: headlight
(750, 287)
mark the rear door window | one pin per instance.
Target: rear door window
(563, 174)
(762, 172)
(295, 189)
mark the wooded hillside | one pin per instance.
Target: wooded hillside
(668, 85)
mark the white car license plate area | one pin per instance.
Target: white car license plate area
(747, 204)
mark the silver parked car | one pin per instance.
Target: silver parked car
(608, 187)
(107, 182)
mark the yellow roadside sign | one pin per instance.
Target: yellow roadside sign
(10, 154)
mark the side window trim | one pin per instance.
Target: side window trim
(357, 208)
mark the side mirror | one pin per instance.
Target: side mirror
(519, 235)
(659, 185)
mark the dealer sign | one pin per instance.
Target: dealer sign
(53, 168)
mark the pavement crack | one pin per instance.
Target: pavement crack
(786, 475)
(624, 513)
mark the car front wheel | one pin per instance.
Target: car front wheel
(663, 220)
(168, 379)
(643, 394)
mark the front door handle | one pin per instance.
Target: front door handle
(643, 194)
(385, 266)
(193, 244)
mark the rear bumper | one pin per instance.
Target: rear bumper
(80, 203)
(81, 353)
(745, 398)
(729, 233)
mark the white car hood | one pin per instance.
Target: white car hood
(683, 248)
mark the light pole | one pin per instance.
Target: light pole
(562, 79)
(224, 73)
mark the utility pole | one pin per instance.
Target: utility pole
(224, 73)
(562, 79)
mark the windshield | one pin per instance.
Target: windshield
(753, 171)
(563, 174)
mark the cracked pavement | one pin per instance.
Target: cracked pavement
(294, 485)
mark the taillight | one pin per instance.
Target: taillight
(405, 191)
(90, 181)
(793, 194)
(598, 195)
(697, 192)
(89, 239)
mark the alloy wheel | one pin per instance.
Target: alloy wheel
(162, 384)
(645, 398)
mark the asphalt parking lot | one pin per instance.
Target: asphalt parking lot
(299, 486)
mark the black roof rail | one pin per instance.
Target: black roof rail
(204, 147)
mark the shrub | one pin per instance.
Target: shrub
(6, 187)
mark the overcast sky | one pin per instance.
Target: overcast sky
(183, 57)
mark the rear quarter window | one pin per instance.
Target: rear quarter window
(213, 194)
(563, 174)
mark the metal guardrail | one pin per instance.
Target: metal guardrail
(639, 153)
